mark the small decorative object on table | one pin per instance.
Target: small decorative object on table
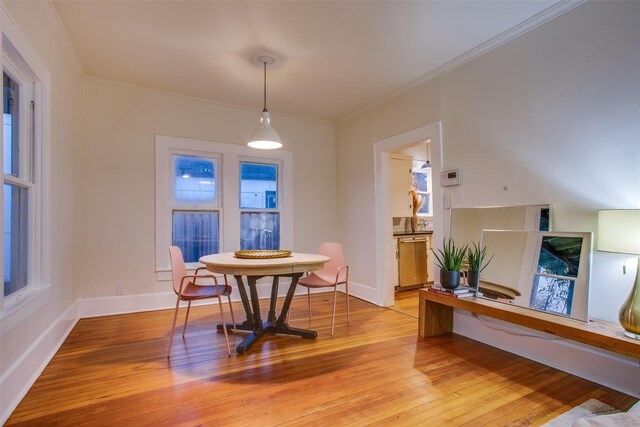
(262, 254)
(475, 259)
(450, 261)
(416, 203)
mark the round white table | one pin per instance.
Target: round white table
(293, 266)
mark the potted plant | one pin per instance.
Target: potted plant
(450, 260)
(476, 261)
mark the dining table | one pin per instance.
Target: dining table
(292, 266)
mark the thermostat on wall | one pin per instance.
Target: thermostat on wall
(449, 178)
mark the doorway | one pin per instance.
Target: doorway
(383, 216)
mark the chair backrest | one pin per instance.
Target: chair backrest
(328, 272)
(178, 269)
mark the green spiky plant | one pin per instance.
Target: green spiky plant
(475, 257)
(451, 257)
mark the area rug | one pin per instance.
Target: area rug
(589, 409)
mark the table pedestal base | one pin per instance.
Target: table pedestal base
(254, 323)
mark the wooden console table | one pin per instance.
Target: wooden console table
(436, 318)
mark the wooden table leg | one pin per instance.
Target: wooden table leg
(272, 302)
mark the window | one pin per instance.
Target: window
(17, 188)
(555, 276)
(421, 171)
(194, 214)
(259, 217)
(25, 237)
(213, 197)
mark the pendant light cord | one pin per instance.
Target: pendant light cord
(265, 87)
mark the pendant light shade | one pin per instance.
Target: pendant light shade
(265, 137)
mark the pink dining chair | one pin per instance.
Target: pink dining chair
(334, 273)
(186, 289)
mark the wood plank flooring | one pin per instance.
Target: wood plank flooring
(376, 371)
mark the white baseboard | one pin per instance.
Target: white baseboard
(600, 366)
(18, 379)
(107, 306)
(363, 292)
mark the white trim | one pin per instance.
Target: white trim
(22, 374)
(608, 369)
(41, 204)
(535, 21)
(363, 292)
(21, 306)
(383, 215)
(56, 24)
(108, 306)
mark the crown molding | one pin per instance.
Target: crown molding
(54, 19)
(505, 37)
(144, 89)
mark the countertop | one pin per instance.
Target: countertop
(415, 233)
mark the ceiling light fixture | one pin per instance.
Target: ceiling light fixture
(265, 137)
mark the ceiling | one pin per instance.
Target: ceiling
(336, 58)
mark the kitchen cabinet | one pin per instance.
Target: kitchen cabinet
(401, 179)
(430, 258)
(413, 260)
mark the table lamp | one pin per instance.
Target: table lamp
(619, 231)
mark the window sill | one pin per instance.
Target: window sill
(20, 308)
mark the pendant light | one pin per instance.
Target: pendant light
(265, 137)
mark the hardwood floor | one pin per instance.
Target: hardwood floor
(376, 371)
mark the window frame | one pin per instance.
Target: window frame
(279, 202)
(425, 194)
(228, 188)
(580, 281)
(214, 206)
(24, 66)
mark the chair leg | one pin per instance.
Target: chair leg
(224, 329)
(233, 319)
(333, 316)
(346, 287)
(309, 300)
(186, 319)
(173, 328)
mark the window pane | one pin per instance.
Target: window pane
(259, 230)
(196, 233)
(560, 256)
(544, 219)
(16, 238)
(194, 179)
(258, 186)
(10, 123)
(552, 295)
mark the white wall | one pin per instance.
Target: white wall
(117, 210)
(26, 346)
(550, 117)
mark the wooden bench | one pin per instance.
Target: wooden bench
(436, 318)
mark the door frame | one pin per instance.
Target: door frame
(383, 217)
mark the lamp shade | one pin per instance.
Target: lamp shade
(619, 231)
(265, 137)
